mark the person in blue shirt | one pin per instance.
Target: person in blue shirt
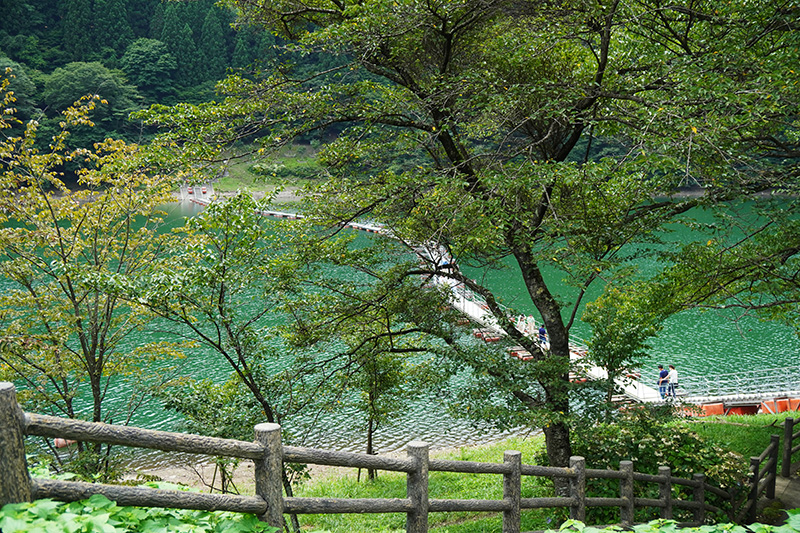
(663, 381)
(542, 335)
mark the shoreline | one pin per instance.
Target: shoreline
(204, 473)
(287, 195)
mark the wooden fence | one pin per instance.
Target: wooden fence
(763, 474)
(269, 454)
(789, 449)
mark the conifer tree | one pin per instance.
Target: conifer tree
(77, 28)
(112, 29)
(241, 58)
(177, 35)
(140, 15)
(212, 50)
(254, 48)
(265, 51)
(194, 14)
(157, 22)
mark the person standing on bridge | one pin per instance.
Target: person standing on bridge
(673, 381)
(663, 381)
(542, 335)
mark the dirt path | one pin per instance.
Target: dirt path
(204, 474)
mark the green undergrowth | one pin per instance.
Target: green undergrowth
(746, 435)
(792, 525)
(99, 514)
(718, 436)
(294, 166)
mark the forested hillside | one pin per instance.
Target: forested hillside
(132, 53)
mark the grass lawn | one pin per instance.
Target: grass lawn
(746, 435)
(443, 485)
(294, 167)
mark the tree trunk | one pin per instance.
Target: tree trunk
(555, 384)
(558, 453)
(372, 474)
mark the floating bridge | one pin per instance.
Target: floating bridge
(767, 390)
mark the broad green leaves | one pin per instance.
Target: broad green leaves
(63, 338)
(554, 136)
(99, 514)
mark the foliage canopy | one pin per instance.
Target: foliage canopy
(64, 339)
(556, 137)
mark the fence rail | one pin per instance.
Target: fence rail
(269, 455)
(763, 474)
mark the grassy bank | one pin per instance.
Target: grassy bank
(745, 435)
(293, 167)
(340, 483)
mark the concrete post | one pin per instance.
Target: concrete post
(665, 492)
(269, 473)
(786, 460)
(774, 446)
(700, 497)
(512, 491)
(417, 489)
(577, 488)
(626, 493)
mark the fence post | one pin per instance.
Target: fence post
(626, 493)
(15, 486)
(577, 488)
(774, 443)
(755, 480)
(788, 432)
(512, 491)
(417, 488)
(665, 492)
(269, 473)
(700, 497)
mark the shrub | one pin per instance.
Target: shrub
(650, 441)
(289, 170)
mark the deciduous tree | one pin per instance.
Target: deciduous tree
(69, 83)
(149, 65)
(64, 340)
(220, 286)
(473, 124)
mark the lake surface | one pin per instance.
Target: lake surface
(424, 420)
(706, 343)
(709, 343)
(697, 343)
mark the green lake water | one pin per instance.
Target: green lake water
(697, 343)
(708, 343)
